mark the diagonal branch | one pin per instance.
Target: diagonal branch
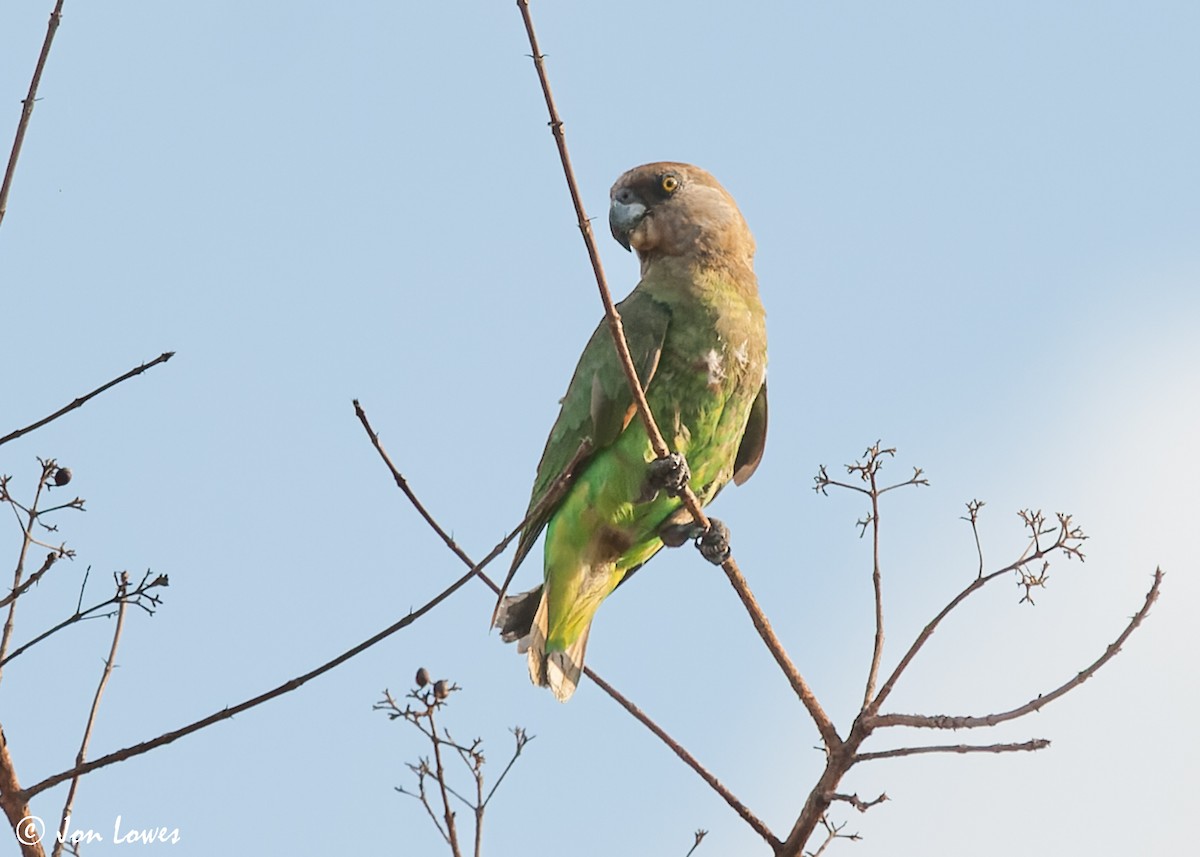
(138, 370)
(807, 697)
(971, 722)
(688, 759)
(27, 107)
(51, 558)
(286, 687)
(683, 754)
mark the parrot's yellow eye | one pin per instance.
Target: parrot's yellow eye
(669, 183)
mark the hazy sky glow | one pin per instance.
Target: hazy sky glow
(977, 229)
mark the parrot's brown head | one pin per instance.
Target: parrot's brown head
(677, 210)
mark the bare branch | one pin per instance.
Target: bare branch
(972, 518)
(688, 759)
(683, 754)
(870, 472)
(286, 687)
(1032, 744)
(141, 596)
(1067, 540)
(162, 358)
(832, 832)
(15, 806)
(855, 801)
(700, 834)
(51, 558)
(808, 698)
(31, 514)
(27, 109)
(81, 757)
(440, 776)
(431, 698)
(522, 738)
(970, 722)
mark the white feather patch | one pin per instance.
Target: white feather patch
(714, 363)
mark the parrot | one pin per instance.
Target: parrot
(696, 331)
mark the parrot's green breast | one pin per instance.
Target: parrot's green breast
(709, 369)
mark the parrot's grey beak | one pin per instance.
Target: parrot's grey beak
(623, 218)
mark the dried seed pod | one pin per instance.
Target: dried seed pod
(422, 677)
(442, 689)
(62, 476)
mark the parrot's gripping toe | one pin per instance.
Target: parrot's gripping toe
(670, 474)
(713, 543)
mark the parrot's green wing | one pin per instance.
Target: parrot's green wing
(598, 404)
(754, 439)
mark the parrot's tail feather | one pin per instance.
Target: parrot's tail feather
(515, 615)
(535, 642)
(562, 669)
(525, 619)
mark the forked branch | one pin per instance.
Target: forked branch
(939, 721)
(620, 699)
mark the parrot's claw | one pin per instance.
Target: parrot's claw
(670, 474)
(713, 543)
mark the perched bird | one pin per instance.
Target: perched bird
(697, 334)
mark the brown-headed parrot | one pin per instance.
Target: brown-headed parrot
(697, 334)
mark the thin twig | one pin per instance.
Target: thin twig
(48, 467)
(451, 829)
(286, 687)
(700, 834)
(27, 108)
(140, 596)
(688, 759)
(855, 801)
(522, 738)
(658, 444)
(832, 832)
(1066, 536)
(969, 722)
(162, 358)
(1033, 744)
(876, 575)
(81, 757)
(51, 558)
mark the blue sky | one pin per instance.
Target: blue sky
(977, 229)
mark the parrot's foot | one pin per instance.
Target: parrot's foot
(670, 474)
(713, 543)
